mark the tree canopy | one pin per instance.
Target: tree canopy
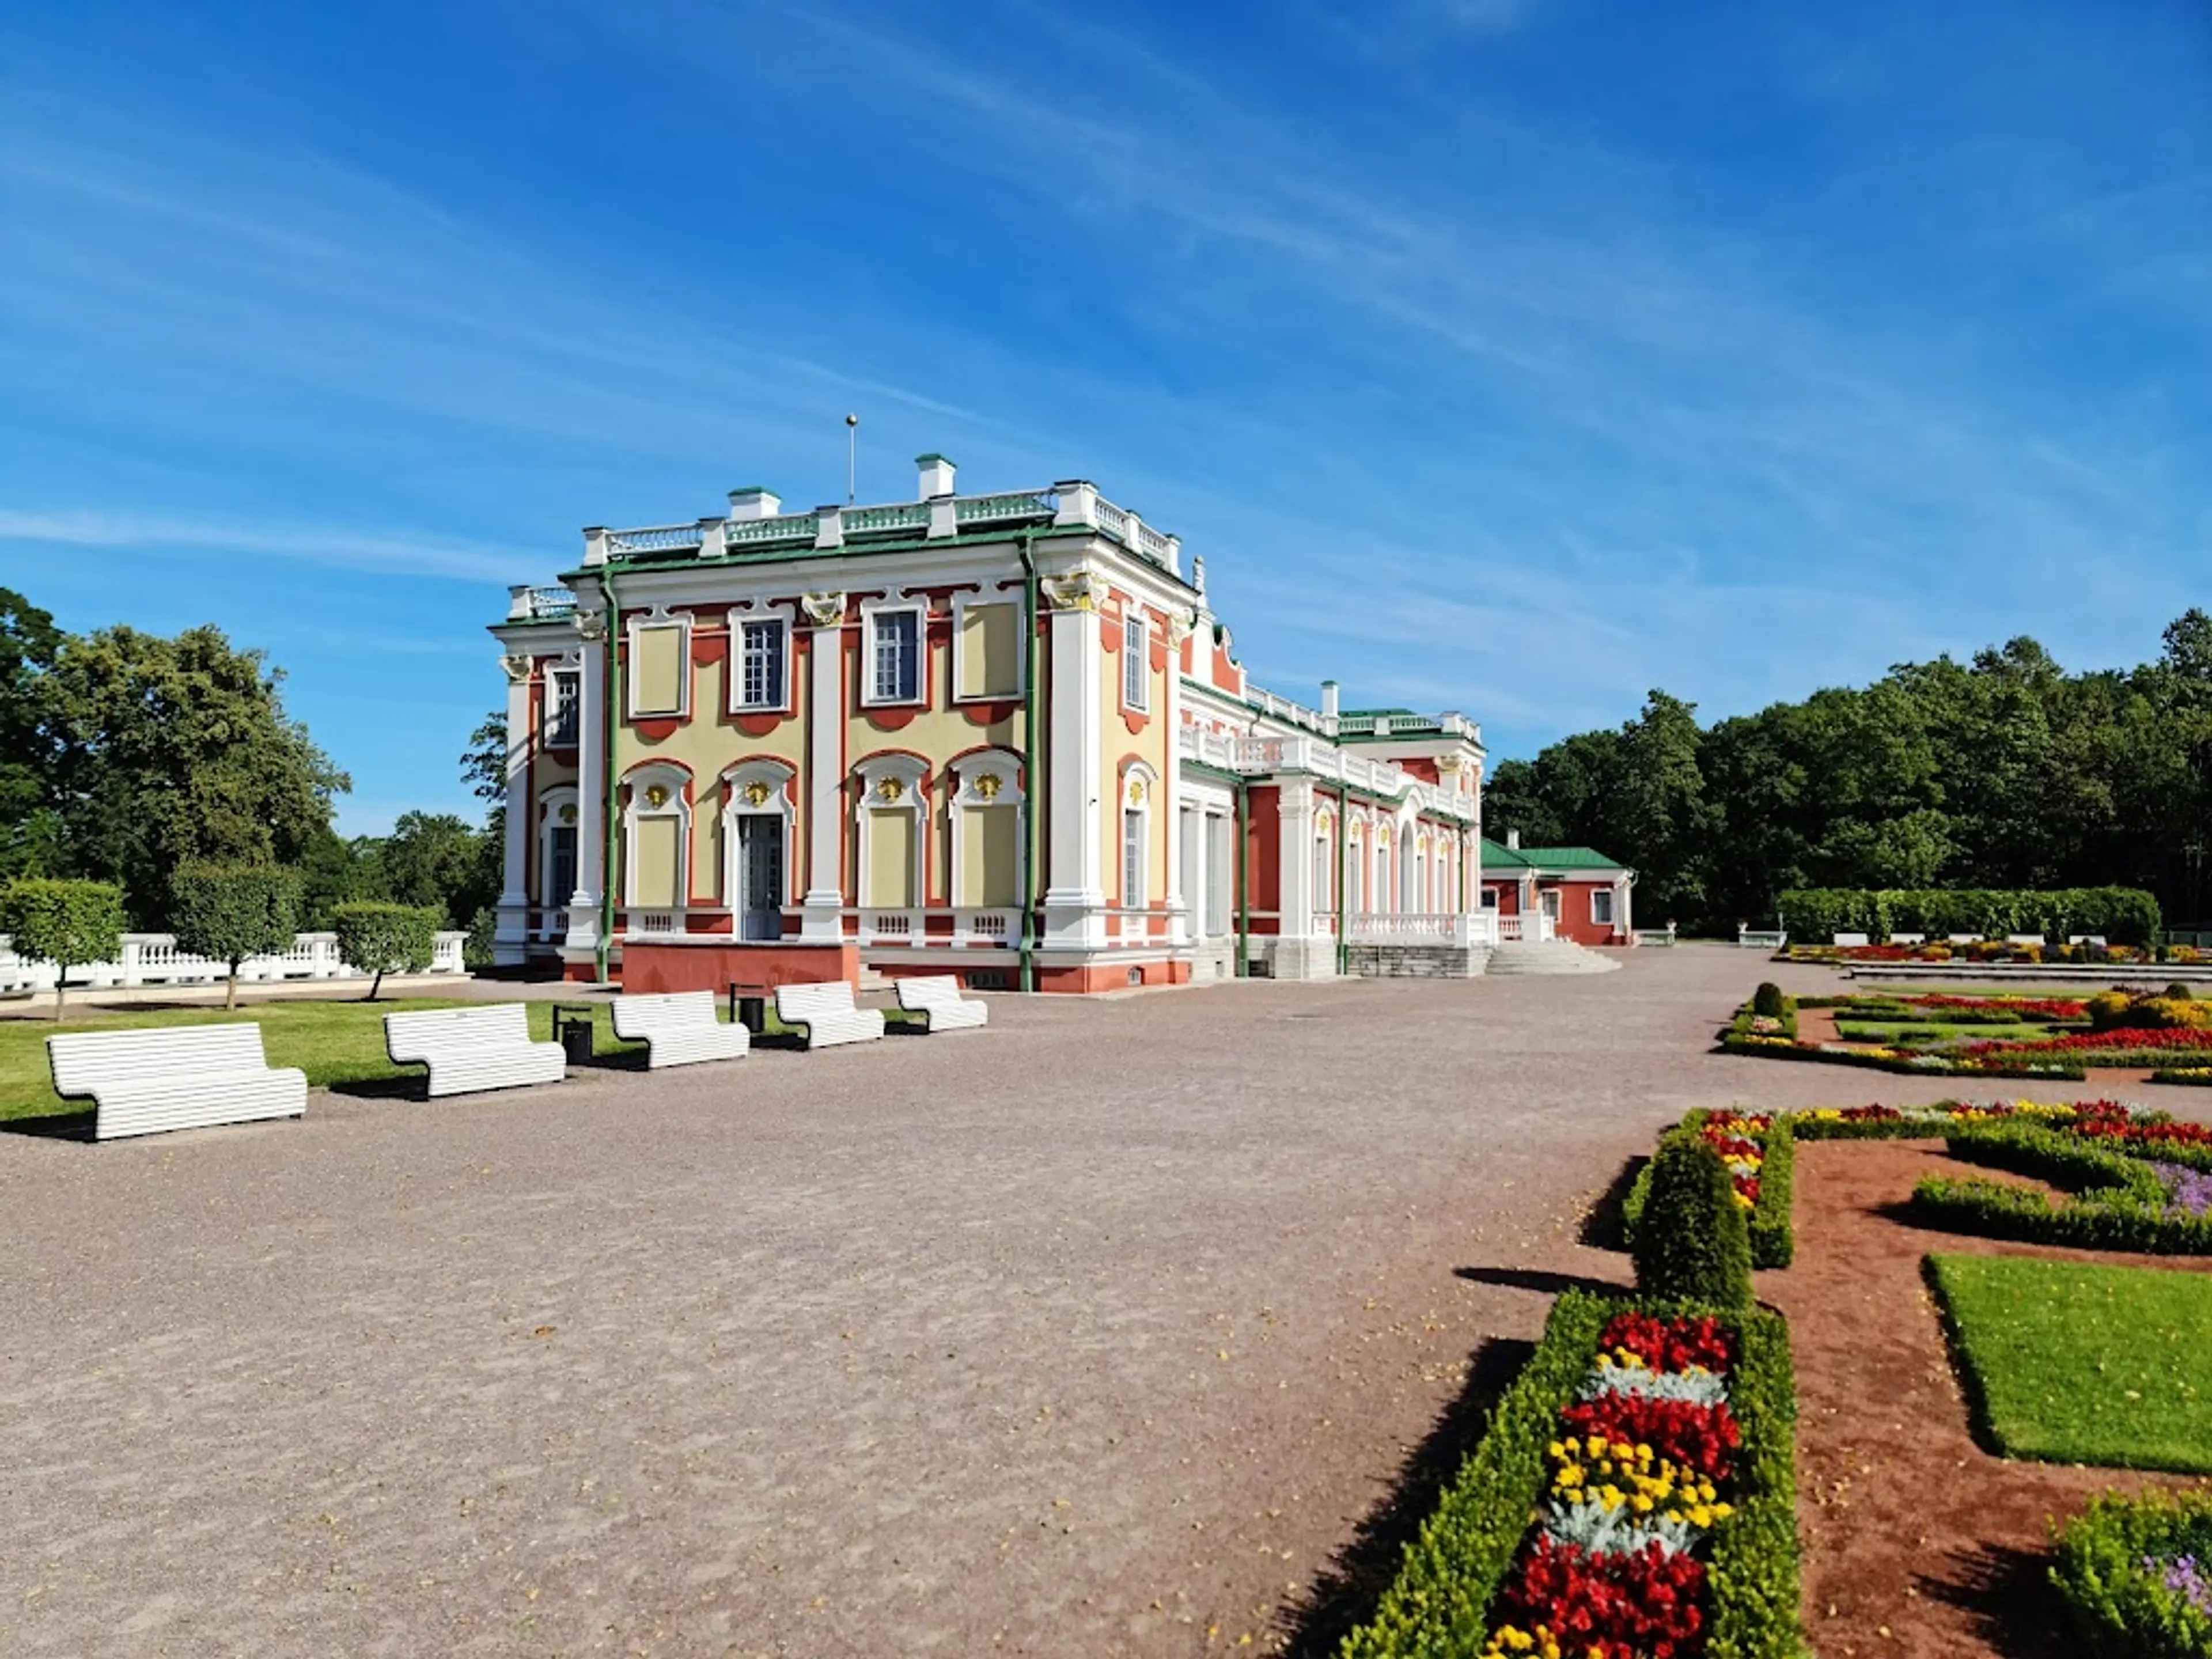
(2005, 771)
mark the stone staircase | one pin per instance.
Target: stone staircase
(1552, 957)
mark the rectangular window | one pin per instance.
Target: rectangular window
(1136, 671)
(564, 707)
(895, 674)
(1133, 859)
(1601, 906)
(1324, 896)
(760, 664)
(560, 864)
(989, 652)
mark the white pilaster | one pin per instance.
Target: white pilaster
(1179, 911)
(1296, 839)
(583, 939)
(1075, 897)
(825, 899)
(511, 940)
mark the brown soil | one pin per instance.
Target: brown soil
(1819, 1025)
(1919, 1545)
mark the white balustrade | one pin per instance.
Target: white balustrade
(155, 959)
(987, 928)
(1462, 929)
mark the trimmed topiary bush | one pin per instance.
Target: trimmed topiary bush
(386, 939)
(233, 911)
(1768, 1000)
(1691, 1242)
(71, 924)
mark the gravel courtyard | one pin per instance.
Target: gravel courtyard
(1096, 1333)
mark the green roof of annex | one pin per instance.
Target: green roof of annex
(1497, 856)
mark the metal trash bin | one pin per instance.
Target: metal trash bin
(572, 1030)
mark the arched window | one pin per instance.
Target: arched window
(894, 831)
(989, 852)
(1324, 862)
(1136, 837)
(557, 816)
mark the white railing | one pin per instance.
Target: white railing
(1532, 928)
(539, 604)
(892, 928)
(154, 959)
(1464, 930)
(652, 924)
(987, 928)
(996, 509)
(1129, 926)
(657, 538)
(1652, 935)
(784, 527)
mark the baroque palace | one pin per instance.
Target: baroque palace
(1003, 736)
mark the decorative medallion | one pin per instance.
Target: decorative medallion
(518, 669)
(1136, 792)
(987, 785)
(568, 811)
(592, 624)
(656, 796)
(823, 609)
(756, 794)
(890, 788)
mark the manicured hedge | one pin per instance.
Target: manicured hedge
(2123, 1205)
(2122, 1608)
(2187, 1076)
(1781, 1048)
(1437, 1607)
(2125, 916)
(1691, 1242)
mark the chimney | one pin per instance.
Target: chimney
(1513, 840)
(1329, 700)
(755, 502)
(936, 476)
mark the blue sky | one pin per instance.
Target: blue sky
(1507, 355)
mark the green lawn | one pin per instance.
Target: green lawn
(1921, 1033)
(334, 1042)
(2084, 1365)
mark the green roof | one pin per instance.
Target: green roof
(1498, 857)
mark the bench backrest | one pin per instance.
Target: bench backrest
(413, 1036)
(929, 991)
(91, 1061)
(663, 1011)
(803, 1002)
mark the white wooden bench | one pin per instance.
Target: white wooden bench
(471, 1048)
(185, 1077)
(936, 998)
(1761, 939)
(826, 1014)
(679, 1028)
(1852, 941)
(1963, 938)
(1908, 938)
(2024, 939)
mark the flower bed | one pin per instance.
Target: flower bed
(2124, 1045)
(1908, 1061)
(1652, 1448)
(2135, 1575)
(2125, 1202)
(2200, 1076)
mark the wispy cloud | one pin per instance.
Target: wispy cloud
(382, 552)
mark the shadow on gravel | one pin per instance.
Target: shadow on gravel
(2008, 1591)
(1604, 1225)
(1345, 1597)
(1537, 1278)
(413, 1087)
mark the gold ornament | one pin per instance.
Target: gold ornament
(890, 788)
(756, 794)
(568, 812)
(1136, 792)
(656, 796)
(987, 785)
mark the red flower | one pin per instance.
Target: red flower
(1669, 1344)
(1702, 1438)
(1622, 1607)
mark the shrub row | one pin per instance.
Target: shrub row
(2108, 1576)
(1437, 1606)
(1934, 1065)
(2125, 916)
(2122, 1208)
(2201, 1076)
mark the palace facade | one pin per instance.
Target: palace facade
(1002, 735)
